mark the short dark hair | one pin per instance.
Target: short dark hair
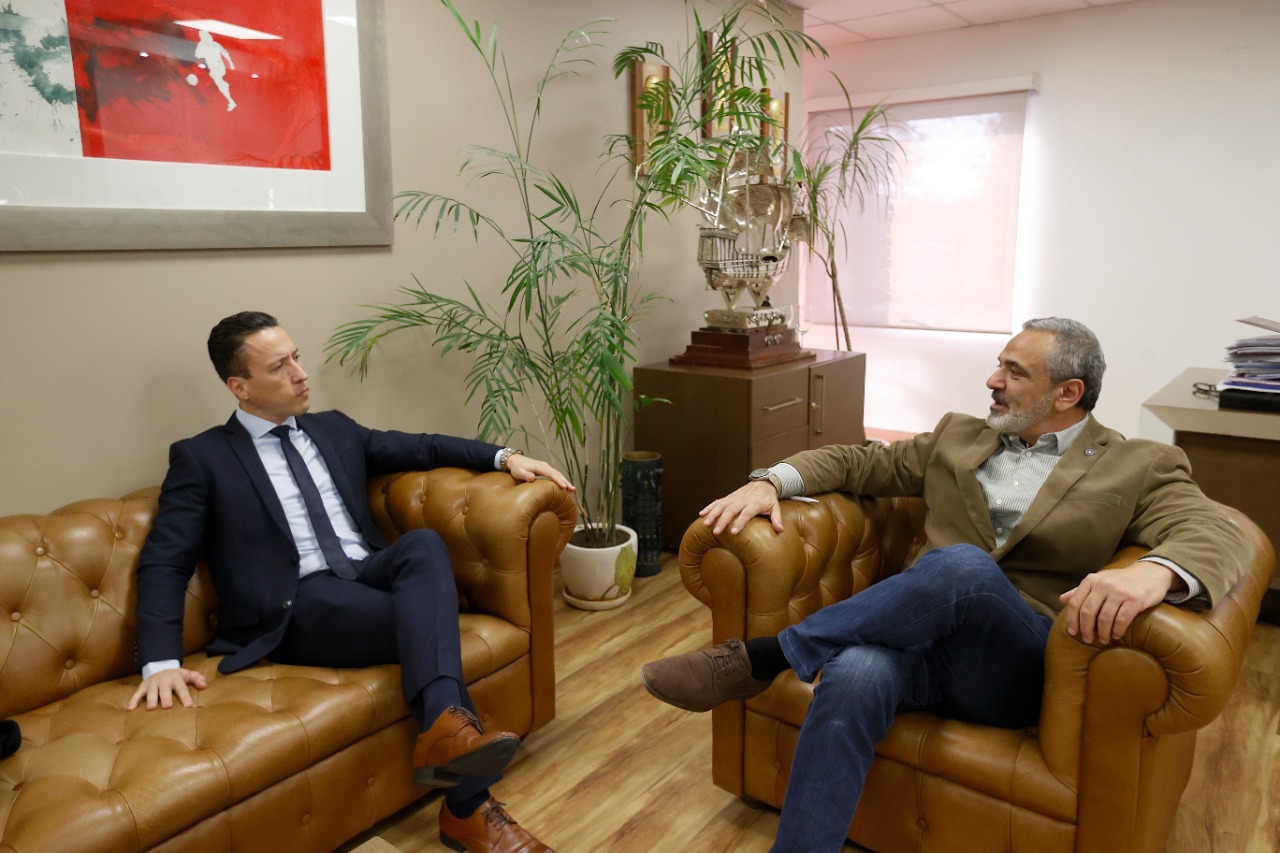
(1076, 354)
(226, 341)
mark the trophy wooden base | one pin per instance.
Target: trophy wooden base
(747, 349)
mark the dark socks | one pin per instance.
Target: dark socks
(767, 659)
(10, 738)
(439, 694)
(465, 807)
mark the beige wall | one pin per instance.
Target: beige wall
(1150, 182)
(103, 353)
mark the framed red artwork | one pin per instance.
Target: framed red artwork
(193, 124)
(177, 82)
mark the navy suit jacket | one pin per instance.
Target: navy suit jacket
(217, 504)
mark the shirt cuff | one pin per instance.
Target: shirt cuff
(789, 482)
(1194, 587)
(159, 666)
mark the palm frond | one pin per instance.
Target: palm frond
(415, 205)
(552, 357)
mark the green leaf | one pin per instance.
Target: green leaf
(549, 359)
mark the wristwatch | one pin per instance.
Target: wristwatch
(504, 455)
(766, 474)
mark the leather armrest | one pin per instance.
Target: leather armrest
(503, 536)
(1172, 672)
(759, 581)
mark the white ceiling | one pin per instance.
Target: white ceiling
(834, 22)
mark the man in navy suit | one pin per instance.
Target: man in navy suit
(274, 501)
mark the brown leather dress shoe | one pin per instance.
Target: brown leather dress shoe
(699, 681)
(456, 746)
(490, 828)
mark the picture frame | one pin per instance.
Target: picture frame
(719, 81)
(776, 123)
(645, 77)
(358, 114)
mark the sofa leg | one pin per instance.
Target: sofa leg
(753, 803)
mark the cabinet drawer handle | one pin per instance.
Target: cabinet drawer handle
(819, 405)
(778, 406)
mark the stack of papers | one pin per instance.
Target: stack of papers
(1255, 362)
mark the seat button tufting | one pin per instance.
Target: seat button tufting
(15, 616)
(370, 782)
(920, 823)
(288, 602)
(69, 664)
(93, 593)
(306, 819)
(119, 534)
(39, 552)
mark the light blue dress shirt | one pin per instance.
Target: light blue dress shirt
(310, 558)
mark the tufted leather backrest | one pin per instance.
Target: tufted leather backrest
(67, 596)
(67, 579)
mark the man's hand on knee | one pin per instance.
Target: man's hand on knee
(1104, 603)
(161, 687)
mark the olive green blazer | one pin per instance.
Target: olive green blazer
(1105, 492)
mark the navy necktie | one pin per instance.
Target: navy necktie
(330, 545)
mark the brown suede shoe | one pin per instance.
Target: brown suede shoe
(456, 746)
(490, 828)
(699, 681)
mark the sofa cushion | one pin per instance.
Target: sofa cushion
(114, 773)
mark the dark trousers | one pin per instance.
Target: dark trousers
(403, 608)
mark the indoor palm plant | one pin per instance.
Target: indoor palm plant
(839, 163)
(551, 362)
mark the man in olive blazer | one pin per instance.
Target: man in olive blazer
(1022, 510)
(1105, 492)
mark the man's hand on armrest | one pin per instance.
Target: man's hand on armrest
(162, 686)
(1105, 603)
(527, 470)
(758, 497)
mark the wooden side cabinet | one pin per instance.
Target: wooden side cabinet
(1234, 456)
(722, 423)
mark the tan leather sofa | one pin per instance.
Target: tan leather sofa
(273, 758)
(1104, 770)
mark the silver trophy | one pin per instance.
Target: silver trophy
(746, 243)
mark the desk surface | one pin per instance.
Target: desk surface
(1178, 408)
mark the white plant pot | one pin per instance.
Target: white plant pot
(599, 578)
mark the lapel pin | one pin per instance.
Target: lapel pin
(1090, 451)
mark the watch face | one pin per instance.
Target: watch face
(758, 474)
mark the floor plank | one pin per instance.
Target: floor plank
(1232, 801)
(619, 772)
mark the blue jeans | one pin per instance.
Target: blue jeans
(950, 634)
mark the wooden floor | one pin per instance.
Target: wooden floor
(619, 772)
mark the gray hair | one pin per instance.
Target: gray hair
(1076, 354)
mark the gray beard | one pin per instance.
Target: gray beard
(1015, 423)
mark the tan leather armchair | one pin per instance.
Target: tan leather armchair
(1103, 771)
(272, 758)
